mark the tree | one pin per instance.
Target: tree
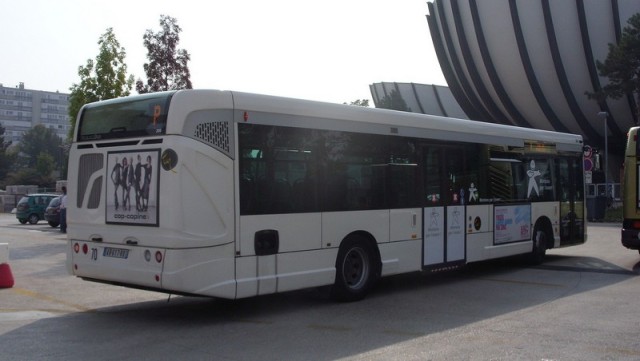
(167, 68)
(106, 78)
(36, 141)
(622, 65)
(360, 102)
(393, 101)
(6, 158)
(45, 164)
(37, 155)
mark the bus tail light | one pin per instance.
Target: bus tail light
(76, 248)
(147, 256)
(85, 248)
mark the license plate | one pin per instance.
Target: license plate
(116, 252)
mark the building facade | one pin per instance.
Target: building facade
(21, 109)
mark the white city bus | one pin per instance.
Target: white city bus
(232, 195)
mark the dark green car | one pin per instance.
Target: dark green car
(32, 206)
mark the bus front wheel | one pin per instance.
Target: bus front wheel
(356, 270)
(540, 240)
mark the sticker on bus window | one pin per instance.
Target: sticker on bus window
(132, 187)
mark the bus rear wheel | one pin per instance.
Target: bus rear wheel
(356, 270)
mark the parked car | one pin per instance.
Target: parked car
(52, 213)
(32, 206)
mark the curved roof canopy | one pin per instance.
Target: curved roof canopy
(530, 62)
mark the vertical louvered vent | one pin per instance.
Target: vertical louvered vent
(90, 171)
(215, 134)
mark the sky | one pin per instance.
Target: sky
(329, 50)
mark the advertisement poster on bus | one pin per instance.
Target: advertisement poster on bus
(512, 223)
(132, 187)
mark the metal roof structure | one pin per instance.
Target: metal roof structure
(529, 63)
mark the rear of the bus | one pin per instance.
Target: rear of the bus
(631, 192)
(150, 187)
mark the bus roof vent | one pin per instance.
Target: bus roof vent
(213, 127)
(214, 133)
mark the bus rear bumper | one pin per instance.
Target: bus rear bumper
(630, 238)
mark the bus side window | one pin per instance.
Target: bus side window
(354, 174)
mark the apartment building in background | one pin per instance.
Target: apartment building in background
(21, 109)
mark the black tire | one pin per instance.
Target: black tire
(23, 220)
(33, 218)
(540, 244)
(54, 224)
(357, 270)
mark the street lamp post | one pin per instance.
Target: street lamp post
(604, 116)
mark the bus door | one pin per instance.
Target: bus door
(443, 206)
(571, 186)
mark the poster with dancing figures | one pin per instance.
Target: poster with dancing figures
(132, 187)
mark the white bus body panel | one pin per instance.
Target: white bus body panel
(552, 211)
(297, 232)
(309, 243)
(204, 236)
(479, 231)
(200, 183)
(403, 253)
(337, 225)
(480, 241)
(202, 271)
(299, 263)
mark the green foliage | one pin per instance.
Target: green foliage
(102, 79)
(167, 68)
(34, 160)
(360, 102)
(622, 65)
(25, 176)
(36, 141)
(45, 164)
(37, 156)
(6, 158)
(393, 101)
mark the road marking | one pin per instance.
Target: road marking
(25, 315)
(40, 296)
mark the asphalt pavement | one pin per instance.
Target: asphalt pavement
(581, 304)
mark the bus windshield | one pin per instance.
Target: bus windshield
(125, 117)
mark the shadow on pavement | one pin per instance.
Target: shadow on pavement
(305, 325)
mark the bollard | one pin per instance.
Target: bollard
(6, 278)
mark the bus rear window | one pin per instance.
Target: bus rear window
(126, 117)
